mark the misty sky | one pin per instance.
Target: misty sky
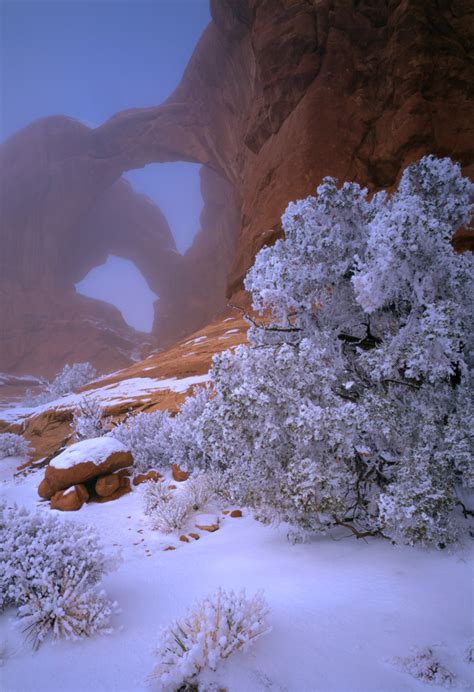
(90, 59)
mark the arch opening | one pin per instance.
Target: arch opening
(119, 282)
(176, 188)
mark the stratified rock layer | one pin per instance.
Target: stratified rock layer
(277, 95)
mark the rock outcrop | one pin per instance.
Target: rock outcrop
(277, 95)
(86, 469)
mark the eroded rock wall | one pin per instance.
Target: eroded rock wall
(277, 95)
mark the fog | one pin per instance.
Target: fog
(89, 60)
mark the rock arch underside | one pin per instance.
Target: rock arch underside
(277, 94)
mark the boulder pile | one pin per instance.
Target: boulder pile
(91, 470)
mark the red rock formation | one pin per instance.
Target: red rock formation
(278, 94)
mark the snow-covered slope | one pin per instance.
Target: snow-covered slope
(341, 610)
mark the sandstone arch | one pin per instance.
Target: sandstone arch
(276, 95)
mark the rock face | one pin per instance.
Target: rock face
(70, 500)
(277, 95)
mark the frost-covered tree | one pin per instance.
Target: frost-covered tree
(13, 445)
(69, 379)
(49, 570)
(147, 437)
(351, 404)
(212, 631)
(89, 419)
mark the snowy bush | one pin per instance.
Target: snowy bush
(469, 653)
(146, 435)
(168, 517)
(167, 510)
(155, 492)
(198, 491)
(70, 379)
(71, 610)
(423, 665)
(13, 445)
(184, 451)
(88, 419)
(213, 630)
(351, 405)
(49, 570)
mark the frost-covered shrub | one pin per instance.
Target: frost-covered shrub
(49, 570)
(88, 419)
(168, 517)
(13, 445)
(69, 379)
(155, 492)
(423, 665)
(71, 610)
(198, 491)
(167, 510)
(184, 451)
(213, 630)
(146, 435)
(469, 652)
(351, 406)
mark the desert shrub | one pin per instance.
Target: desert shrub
(423, 665)
(213, 630)
(147, 437)
(167, 510)
(198, 491)
(70, 611)
(13, 445)
(351, 404)
(185, 452)
(155, 492)
(469, 652)
(49, 570)
(168, 517)
(89, 420)
(69, 379)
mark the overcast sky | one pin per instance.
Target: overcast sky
(90, 59)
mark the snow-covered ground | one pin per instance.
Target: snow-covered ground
(341, 609)
(125, 390)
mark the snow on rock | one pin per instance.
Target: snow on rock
(108, 395)
(207, 522)
(197, 340)
(95, 450)
(88, 460)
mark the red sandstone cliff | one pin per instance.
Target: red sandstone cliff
(278, 94)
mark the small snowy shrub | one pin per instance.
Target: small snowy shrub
(48, 570)
(167, 510)
(147, 437)
(423, 665)
(198, 491)
(171, 516)
(351, 404)
(213, 630)
(13, 445)
(88, 419)
(70, 611)
(155, 492)
(469, 653)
